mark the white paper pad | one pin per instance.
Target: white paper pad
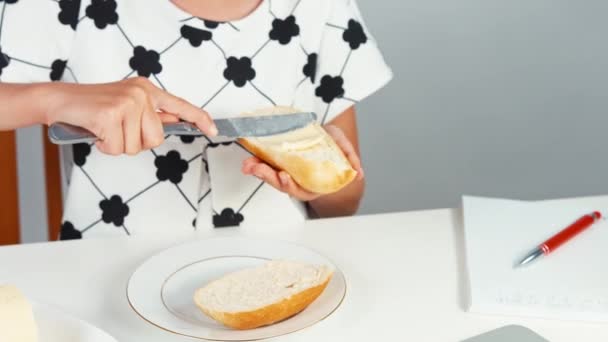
(571, 283)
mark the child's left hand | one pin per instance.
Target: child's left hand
(282, 181)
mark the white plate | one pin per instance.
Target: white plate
(56, 326)
(161, 290)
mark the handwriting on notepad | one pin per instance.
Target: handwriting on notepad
(552, 301)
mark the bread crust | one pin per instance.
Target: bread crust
(321, 177)
(270, 314)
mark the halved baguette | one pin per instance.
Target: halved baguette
(264, 295)
(17, 322)
(309, 155)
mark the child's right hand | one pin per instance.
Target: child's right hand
(126, 116)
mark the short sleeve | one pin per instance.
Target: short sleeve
(350, 66)
(36, 39)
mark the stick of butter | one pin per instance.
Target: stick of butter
(16, 316)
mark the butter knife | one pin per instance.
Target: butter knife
(247, 126)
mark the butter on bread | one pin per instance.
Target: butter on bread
(17, 322)
(263, 295)
(309, 155)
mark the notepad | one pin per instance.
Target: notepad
(571, 283)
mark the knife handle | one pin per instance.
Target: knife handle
(62, 134)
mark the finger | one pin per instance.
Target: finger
(348, 149)
(168, 118)
(249, 164)
(100, 146)
(132, 132)
(184, 110)
(281, 181)
(112, 135)
(289, 186)
(151, 128)
(353, 159)
(267, 174)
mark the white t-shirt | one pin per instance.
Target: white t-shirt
(315, 55)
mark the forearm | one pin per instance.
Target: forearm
(342, 203)
(22, 104)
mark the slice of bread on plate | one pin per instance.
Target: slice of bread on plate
(309, 155)
(17, 322)
(260, 296)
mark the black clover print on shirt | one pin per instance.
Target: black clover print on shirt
(4, 60)
(239, 71)
(103, 13)
(210, 24)
(57, 69)
(171, 167)
(284, 30)
(195, 36)
(68, 14)
(145, 62)
(310, 69)
(114, 210)
(228, 218)
(330, 88)
(68, 232)
(187, 139)
(215, 145)
(354, 34)
(80, 152)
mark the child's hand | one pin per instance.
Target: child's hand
(282, 181)
(126, 116)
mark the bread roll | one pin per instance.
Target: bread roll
(309, 155)
(264, 295)
(16, 316)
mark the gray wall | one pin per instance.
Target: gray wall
(491, 97)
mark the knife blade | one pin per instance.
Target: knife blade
(247, 126)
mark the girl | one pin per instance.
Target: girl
(127, 66)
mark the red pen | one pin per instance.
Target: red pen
(561, 238)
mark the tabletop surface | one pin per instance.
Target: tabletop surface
(405, 274)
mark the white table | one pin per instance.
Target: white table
(404, 274)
